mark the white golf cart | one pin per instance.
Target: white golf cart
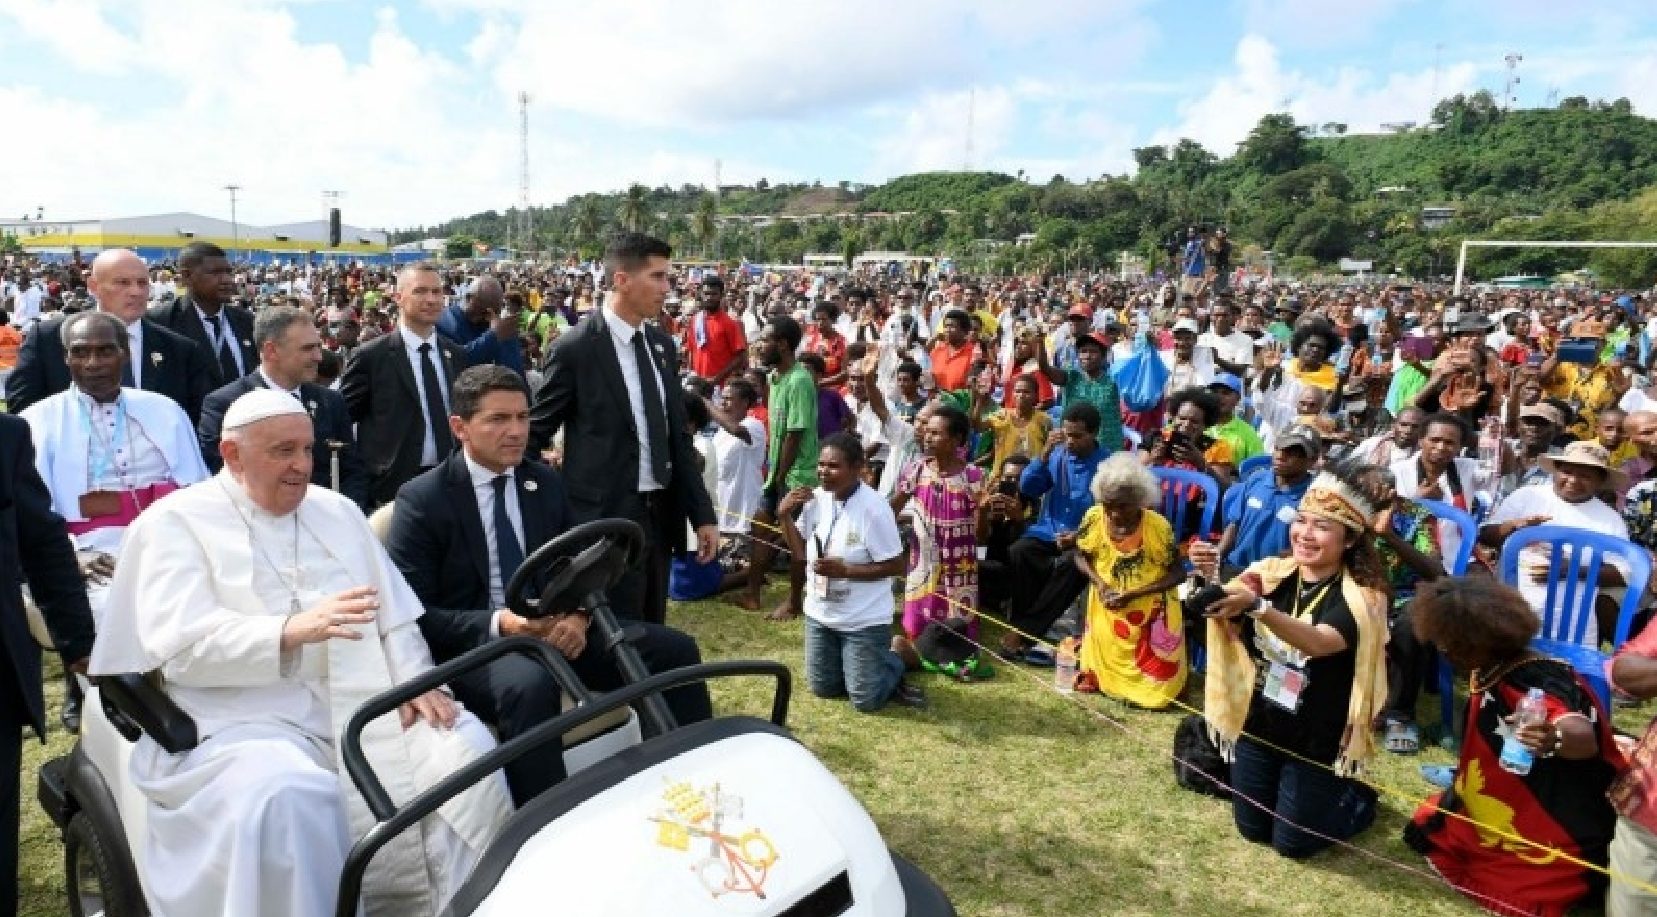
(727, 816)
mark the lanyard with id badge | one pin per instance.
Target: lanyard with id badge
(824, 588)
(1286, 680)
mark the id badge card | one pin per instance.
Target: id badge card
(1284, 686)
(819, 586)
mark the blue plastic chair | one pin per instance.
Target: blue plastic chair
(1252, 464)
(1176, 502)
(1455, 566)
(1176, 497)
(1568, 608)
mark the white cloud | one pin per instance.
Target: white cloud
(1317, 23)
(74, 29)
(933, 134)
(1259, 85)
(696, 62)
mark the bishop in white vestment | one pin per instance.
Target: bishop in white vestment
(271, 613)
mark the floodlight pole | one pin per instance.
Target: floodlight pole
(235, 228)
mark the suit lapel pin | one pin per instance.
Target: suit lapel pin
(155, 358)
(247, 343)
(310, 407)
(531, 486)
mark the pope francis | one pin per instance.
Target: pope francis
(271, 613)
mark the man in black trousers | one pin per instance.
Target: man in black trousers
(458, 534)
(612, 386)
(33, 540)
(206, 315)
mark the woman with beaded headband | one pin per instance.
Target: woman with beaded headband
(1297, 675)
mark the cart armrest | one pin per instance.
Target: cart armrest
(140, 703)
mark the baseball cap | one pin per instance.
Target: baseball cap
(1080, 310)
(1543, 411)
(1228, 380)
(1094, 338)
(1186, 324)
(1303, 436)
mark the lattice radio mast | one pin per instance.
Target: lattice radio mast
(526, 223)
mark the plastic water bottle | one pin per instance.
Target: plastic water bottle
(1066, 666)
(1516, 758)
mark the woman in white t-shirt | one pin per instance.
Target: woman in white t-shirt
(853, 550)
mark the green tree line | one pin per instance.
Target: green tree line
(1307, 196)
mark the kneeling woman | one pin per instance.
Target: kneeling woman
(1297, 673)
(852, 551)
(1133, 648)
(1484, 627)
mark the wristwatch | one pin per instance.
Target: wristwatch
(1258, 609)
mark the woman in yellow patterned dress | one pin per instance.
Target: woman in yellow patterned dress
(1134, 647)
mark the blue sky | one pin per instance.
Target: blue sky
(144, 106)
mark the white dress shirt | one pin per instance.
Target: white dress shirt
(135, 352)
(28, 305)
(621, 335)
(411, 346)
(483, 488)
(273, 386)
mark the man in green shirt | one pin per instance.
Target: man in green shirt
(791, 457)
(1234, 431)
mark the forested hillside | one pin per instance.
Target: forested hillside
(1583, 170)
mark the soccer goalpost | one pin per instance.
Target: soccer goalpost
(1461, 259)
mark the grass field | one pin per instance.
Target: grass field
(1015, 799)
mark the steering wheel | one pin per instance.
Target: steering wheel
(591, 557)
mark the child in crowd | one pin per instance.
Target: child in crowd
(834, 415)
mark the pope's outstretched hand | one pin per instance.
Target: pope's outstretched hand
(332, 618)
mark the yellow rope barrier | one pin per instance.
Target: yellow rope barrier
(1381, 788)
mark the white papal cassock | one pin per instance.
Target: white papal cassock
(257, 819)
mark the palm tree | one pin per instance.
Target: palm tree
(589, 221)
(633, 213)
(704, 225)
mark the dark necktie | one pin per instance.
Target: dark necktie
(508, 553)
(227, 351)
(436, 414)
(654, 416)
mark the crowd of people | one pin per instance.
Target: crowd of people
(1253, 480)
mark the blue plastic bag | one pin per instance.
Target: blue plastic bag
(1141, 377)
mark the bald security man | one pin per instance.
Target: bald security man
(159, 360)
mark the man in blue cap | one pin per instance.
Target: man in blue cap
(1232, 430)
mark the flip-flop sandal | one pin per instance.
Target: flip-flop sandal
(1403, 738)
(1039, 656)
(1086, 683)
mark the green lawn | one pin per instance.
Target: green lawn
(1015, 800)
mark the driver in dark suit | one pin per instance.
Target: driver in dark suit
(446, 538)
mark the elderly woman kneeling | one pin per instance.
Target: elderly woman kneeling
(1133, 648)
